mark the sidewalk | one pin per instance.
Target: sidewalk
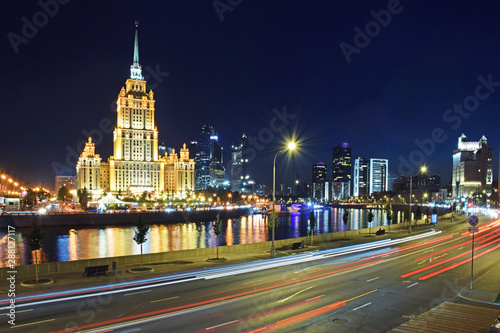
(485, 288)
(66, 281)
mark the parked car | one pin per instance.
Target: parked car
(495, 328)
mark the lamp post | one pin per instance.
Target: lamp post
(291, 146)
(422, 169)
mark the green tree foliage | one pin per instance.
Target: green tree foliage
(370, 220)
(312, 224)
(345, 218)
(389, 215)
(273, 222)
(34, 242)
(63, 194)
(418, 214)
(217, 230)
(83, 198)
(141, 231)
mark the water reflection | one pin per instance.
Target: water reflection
(64, 244)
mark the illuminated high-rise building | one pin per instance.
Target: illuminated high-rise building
(341, 172)
(135, 166)
(370, 176)
(319, 181)
(472, 167)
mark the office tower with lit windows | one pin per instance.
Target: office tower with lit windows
(318, 181)
(370, 176)
(236, 168)
(341, 172)
(240, 178)
(472, 167)
(210, 171)
(135, 166)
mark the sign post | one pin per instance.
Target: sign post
(473, 221)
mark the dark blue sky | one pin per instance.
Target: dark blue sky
(232, 73)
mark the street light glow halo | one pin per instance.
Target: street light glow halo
(291, 146)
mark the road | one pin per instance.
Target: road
(357, 290)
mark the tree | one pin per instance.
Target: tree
(418, 214)
(312, 223)
(345, 218)
(83, 198)
(141, 231)
(389, 214)
(273, 222)
(35, 243)
(370, 219)
(63, 194)
(407, 215)
(217, 230)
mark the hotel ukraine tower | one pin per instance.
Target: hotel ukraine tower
(136, 165)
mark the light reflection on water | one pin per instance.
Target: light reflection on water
(65, 244)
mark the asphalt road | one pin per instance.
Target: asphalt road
(370, 291)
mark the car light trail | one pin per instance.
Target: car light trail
(306, 315)
(444, 261)
(425, 277)
(211, 301)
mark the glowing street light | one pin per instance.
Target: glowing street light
(291, 146)
(422, 169)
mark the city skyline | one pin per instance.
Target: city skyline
(309, 70)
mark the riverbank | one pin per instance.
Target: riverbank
(91, 219)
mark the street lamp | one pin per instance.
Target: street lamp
(291, 146)
(422, 169)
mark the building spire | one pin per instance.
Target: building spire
(135, 69)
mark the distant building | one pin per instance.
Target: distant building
(341, 172)
(240, 177)
(68, 181)
(210, 171)
(162, 149)
(370, 175)
(318, 181)
(472, 167)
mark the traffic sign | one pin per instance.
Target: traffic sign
(473, 220)
(473, 229)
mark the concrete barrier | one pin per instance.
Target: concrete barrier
(78, 266)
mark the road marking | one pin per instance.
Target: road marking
(164, 299)
(422, 262)
(298, 292)
(33, 323)
(217, 326)
(17, 311)
(362, 306)
(375, 278)
(411, 285)
(351, 299)
(138, 292)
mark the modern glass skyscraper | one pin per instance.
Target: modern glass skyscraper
(370, 176)
(341, 172)
(319, 181)
(210, 171)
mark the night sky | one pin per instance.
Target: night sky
(386, 89)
